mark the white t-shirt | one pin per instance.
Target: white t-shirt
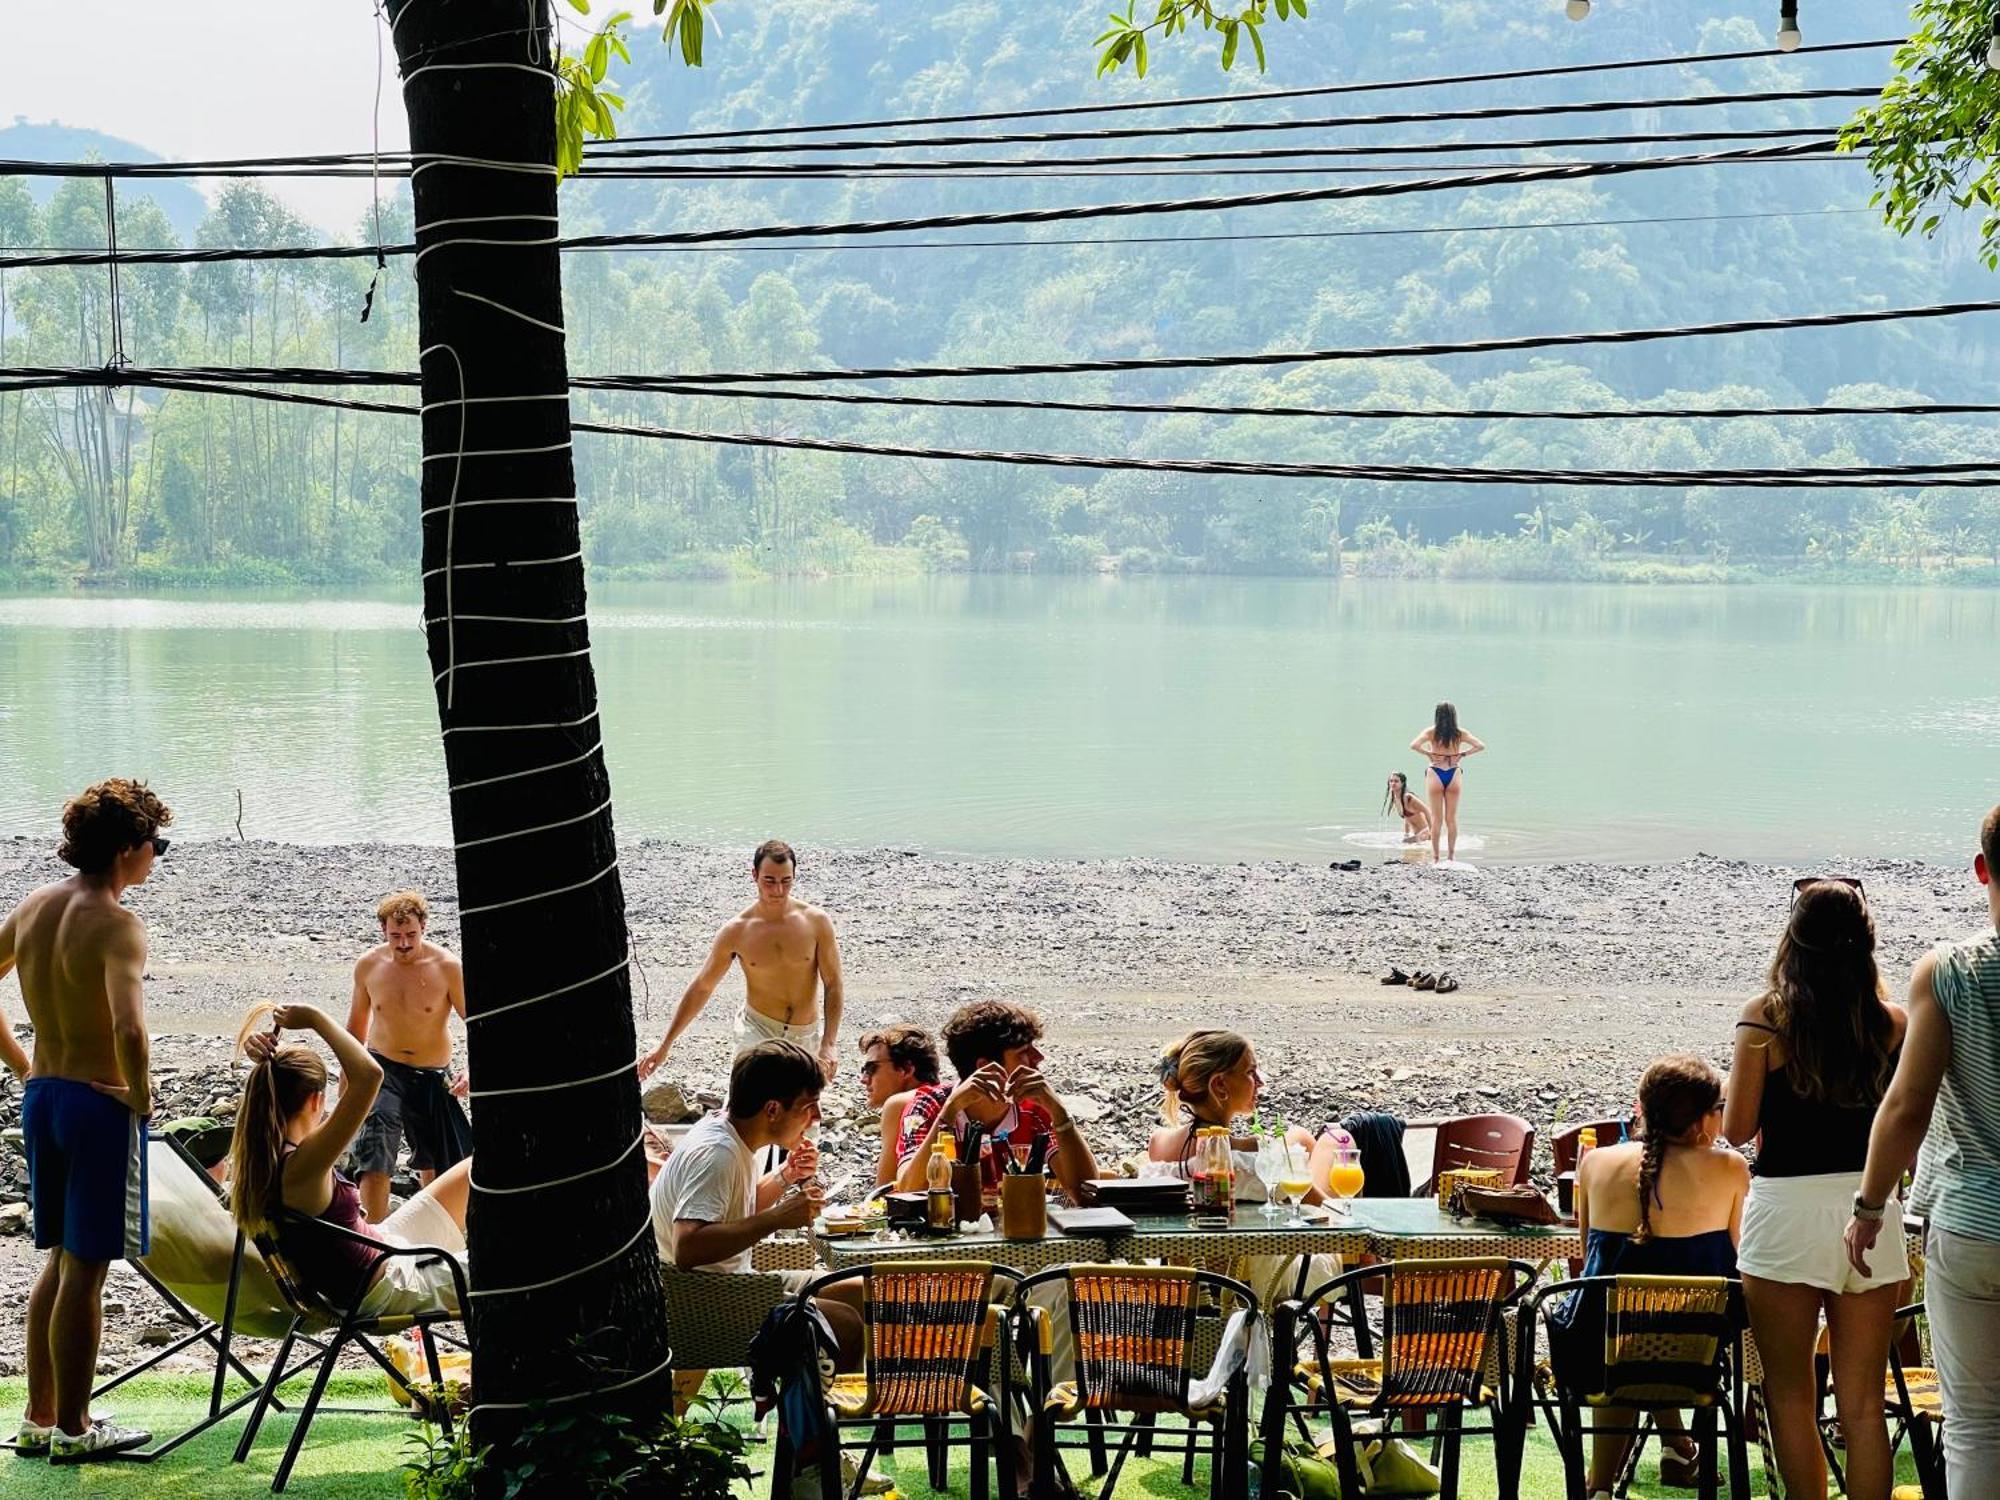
(712, 1178)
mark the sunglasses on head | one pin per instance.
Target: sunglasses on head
(1849, 881)
(160, 846)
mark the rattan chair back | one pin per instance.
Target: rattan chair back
(1134, 1329)
(1438, 1320)
(1664, 1339)
(929, 1328)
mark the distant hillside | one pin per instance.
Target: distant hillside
(26, 141)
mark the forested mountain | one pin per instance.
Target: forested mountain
(200, 486)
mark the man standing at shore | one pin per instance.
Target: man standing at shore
(88, 1093)
(788, 951)
(406, 990)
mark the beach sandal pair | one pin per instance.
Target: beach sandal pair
(1423, 979)
(1345, 864)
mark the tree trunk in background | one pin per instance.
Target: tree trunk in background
(542, 911)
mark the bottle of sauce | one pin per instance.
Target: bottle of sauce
(1586, 1142)
(939, 1205)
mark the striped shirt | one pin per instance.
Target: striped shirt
(1959, 1166)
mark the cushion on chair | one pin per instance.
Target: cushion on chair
(1925, 1399)
(1065, 1402)
(848, 1396)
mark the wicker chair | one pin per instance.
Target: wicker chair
(930, 1329)
(1441, 1347)
(1915, 1409)
(1136, 1337)
(339, 1327)
(1670, 1343)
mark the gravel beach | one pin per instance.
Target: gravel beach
(1573, 975)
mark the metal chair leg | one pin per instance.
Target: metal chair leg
(265, 1394)
(1705, 1451)
(304, 1421)
(1450, 1420)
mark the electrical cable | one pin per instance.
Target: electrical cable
(1884, 476)
(1504, 177)
(1263, 96)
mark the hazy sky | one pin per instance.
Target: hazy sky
(219, 78)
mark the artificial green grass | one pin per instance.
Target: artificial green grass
(360, 1457)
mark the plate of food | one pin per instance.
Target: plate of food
(840, 1220)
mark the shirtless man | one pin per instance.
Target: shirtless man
(788, 951)
(87, 1095)
(406, 990)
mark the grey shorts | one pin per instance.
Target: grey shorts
(415, 1105)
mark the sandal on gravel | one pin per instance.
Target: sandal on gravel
(1395, 976)
(1422, 980)
(1345, 864)
(1445, 984)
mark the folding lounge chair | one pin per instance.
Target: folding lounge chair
(330, 1329)
(200, 1268)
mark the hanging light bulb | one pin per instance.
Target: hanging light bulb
(1993, 47)
(1576, 10)
(1789, 35)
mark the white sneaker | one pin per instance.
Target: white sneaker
(32, 1439)
(105, 1439)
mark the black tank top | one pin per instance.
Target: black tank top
(1809, 1137)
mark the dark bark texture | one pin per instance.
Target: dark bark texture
(542, 910)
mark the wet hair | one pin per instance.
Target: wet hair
(1188, 1066)
(981, 1031)
(1393, 801)
(103, 821)
(275, 1091)
(909, 1047)
(1824, 999)
(1444, 725)
(401, 906)
(1989, 842)
(776, 849)
(773, 1072)
(1676, 1094)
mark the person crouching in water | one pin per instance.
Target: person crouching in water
(283, 1178)
(1397, 801)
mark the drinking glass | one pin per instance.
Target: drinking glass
(1270, 1167)
(1294, 1184)
(1346, 1178)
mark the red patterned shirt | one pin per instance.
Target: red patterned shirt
(1024, 1123)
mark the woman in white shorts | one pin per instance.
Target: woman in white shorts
(286, 1145)
(1813, 1056)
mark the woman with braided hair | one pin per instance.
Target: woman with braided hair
(1814, 1055)
(283, 1179)
(1667, 1204)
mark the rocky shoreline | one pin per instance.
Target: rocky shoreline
(1573, 975)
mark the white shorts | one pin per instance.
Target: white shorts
(753, 1026)
(406, 1285)
(1793, 1228)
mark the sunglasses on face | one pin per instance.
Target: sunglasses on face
(1847, 880)
(160, 846)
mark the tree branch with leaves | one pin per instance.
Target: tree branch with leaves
(1126, 40)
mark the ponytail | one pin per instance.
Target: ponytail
(275, 1091)
(1187, 1066)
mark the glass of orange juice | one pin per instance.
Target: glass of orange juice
(1294, 1182)
(1345, 1178)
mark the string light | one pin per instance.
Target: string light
(1576, 10)
(1789, 35)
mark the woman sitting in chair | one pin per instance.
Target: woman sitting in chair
(1668, 1204)
(283, 1178)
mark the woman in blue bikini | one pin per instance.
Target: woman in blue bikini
(1445, 745)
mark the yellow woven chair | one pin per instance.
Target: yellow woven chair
(1440, 1357)
(1644, 1344)
(929, 1329)
(1135, 1343)
(1917, 1409)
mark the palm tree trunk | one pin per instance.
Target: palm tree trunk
(564, 1264)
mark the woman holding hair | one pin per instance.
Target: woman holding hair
(1668, 1204)
(1398, 801)
(1445, 746)
(283, 1158)
(1814, 1054)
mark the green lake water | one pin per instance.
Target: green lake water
(1190, 718)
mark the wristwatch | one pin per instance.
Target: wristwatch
(1868, 1213)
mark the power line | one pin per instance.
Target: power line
(1263, 96)
(1883, 476)
(1503, 177)
(1240, 127)
(1153, 239)
(302, 375)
